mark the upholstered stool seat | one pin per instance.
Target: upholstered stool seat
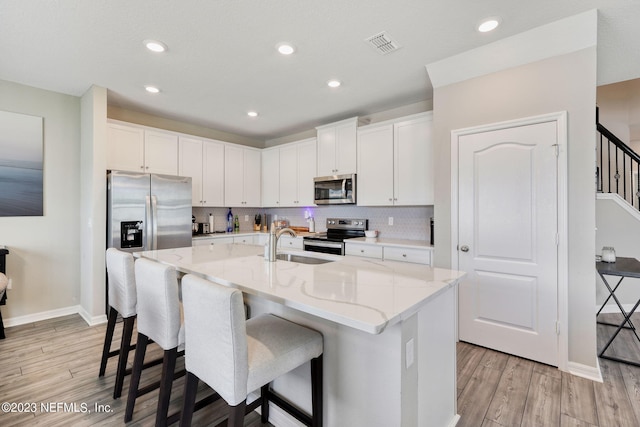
(235, 356)
(160, 320)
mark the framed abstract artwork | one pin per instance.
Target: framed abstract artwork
(21, 165)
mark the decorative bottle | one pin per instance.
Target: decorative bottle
(236, 224)
(229, 221)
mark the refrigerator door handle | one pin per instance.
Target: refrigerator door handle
(154, 213)
(148, 224)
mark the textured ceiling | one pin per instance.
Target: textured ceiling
(222, 60)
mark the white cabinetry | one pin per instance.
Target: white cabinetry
(203, 161)
(297, 170)
(245, 240)
(136, 149)
(363, 250)
(210, 241)
(408, 178)
(241, 176)
(271, 177)
(288, 242)
(337, 147)
(418, 256)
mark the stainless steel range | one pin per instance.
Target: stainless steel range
(338, 230)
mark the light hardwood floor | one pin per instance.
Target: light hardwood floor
(56, 362)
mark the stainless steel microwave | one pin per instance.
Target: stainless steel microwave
(335, 189)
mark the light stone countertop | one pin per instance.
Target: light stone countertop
(361, 293)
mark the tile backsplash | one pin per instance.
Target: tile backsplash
(408, 222)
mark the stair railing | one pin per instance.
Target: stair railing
(618, 169)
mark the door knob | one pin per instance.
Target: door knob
(464, 248)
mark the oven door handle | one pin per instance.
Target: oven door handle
(333, 245)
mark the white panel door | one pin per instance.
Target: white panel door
(413, 163)
(233, 176)
(125, 148)
(252, 177)
(289, 176)
(306, 172)
(190, 164)
(271, 178)
(375, 166)
(507, 240)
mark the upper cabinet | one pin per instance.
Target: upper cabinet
(297, 170)
(203, 161)
(136, 149)
(271, 177)
(337, 148)
(408, 179)
(242, 175)
(287, 174)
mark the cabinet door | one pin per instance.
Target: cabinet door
(413, 163)
(212, 173)
(346, 136)
(271, 178)
(326, 151)
(306, 172)
(190, 164)
(233, 176)
(289, 176)
(375, 166)
(160, 153)
(252, 177)
(125, 148)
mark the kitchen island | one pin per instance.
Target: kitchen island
(389, 329)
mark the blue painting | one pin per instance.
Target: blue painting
(21, 160)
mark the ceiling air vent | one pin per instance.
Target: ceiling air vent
(383, 43)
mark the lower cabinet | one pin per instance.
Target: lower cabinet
(245, 240)
(391, 253)
(288, 242)
(205, 241)
(364, 250)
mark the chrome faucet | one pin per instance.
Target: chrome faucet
(274, 235)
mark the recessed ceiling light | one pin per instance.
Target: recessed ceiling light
(155, 46)
(152, 89)
(489, 24)
(285, 48)
(252, 114)
(334, 83)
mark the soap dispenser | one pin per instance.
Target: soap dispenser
(312, 225)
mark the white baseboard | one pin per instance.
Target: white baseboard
(92, 320)
(454, 421)
(44, 315)
(584, 371)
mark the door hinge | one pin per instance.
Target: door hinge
(557, 149)
(557, 239)
(557, 328)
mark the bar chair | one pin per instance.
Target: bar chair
(122, 300)
(235, 356)
(159, 319)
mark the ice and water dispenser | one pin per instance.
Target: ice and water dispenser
(131, 234)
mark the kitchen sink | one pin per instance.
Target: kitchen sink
(302, 259)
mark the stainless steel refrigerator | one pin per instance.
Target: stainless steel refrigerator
(147, 211)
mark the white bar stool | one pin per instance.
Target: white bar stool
(235, 356)
(122, 300)
(159, 319)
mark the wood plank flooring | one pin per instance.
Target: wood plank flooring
(56, 362)
(496, 389)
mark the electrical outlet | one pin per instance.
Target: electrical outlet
(390, 220)
(10, 284)
(246, 218)
(409, 353)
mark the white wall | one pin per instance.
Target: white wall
(565, 82)
(45, 251)
(618, 225)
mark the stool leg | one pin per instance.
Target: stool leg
(2, 336)
(136, 372)
(316, 392)
(236, 414)
(125, 345)
(166, 381)
(264, 405)
(189, 399)
(108, 337)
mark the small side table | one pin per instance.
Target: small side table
(623, 267)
